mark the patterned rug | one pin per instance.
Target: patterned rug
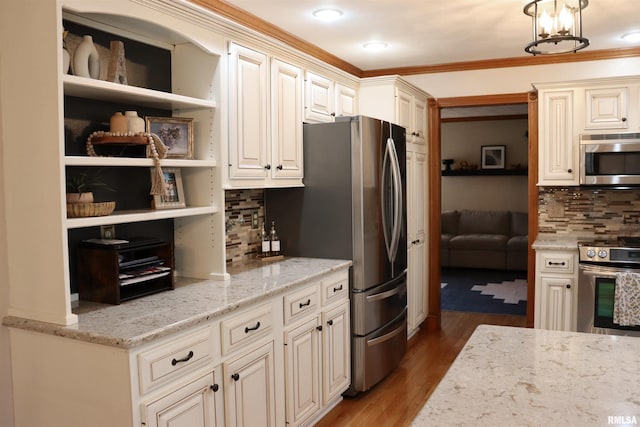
(484, 291)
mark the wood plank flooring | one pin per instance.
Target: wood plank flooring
(399, 398)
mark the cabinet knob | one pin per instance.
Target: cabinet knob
(624, 119)
(279, 167)
(215, 387)
(267, 167)
(570, 170)
(330, 322)
(568, 286)
(235, 376)
(319, 327)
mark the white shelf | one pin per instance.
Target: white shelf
(100, 90)
(136, 162)
(120, 217)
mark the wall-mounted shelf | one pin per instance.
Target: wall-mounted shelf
(486, 172)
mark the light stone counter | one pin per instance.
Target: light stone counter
(556, 242)
(192, 302)
(508, 376)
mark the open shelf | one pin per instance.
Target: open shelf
(136, 162)
(486, 172)
(125, 216)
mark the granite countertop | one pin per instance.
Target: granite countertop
(192, 302)
(534, 377)
(550, 241)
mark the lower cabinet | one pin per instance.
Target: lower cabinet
(317, 361)
(197, 404)
(249, 384)
(556, 290)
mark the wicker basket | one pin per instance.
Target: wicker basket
(79, 210)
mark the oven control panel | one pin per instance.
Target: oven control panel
(600, 254)
(593, 253)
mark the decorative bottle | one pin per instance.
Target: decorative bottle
(135, 123)
(266, 243)
(86, 60)
(275, 240)
(118, 123)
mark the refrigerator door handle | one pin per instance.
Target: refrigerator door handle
(383, 199)
(383, 295)
(397, 193)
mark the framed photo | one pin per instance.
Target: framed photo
(492, 156)
(176, 133)
(174, 197)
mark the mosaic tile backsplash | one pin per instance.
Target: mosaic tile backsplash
(587, 212)
(243, 242)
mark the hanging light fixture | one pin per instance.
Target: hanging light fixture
(557, 26)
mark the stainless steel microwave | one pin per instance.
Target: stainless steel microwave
(610, 159)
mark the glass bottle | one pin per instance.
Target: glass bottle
(275, 240)
(266, 242)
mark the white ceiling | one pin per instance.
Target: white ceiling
(429, 32)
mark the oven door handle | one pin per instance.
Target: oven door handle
(602, 270)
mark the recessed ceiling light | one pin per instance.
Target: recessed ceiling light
(327, 14)
(375, 46)
(632, 37)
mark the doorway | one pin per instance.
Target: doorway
(436, 108)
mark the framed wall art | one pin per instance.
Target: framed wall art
(174, 195)
(176, 133)
(492, 156)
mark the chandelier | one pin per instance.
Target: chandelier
(557, 26)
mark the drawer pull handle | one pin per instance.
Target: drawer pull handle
(304, 304)
(235, 376)
(174, 362)
(556, 263)
(339, 288)
(330, 322)
(254, 328)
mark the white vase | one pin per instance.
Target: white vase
(135, 123)
(86, 60)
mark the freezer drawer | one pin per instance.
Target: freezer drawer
(379, 353)
(378, 306)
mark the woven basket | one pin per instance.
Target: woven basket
(79, 210)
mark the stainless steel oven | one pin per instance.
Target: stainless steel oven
(599, 264)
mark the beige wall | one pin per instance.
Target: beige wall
(463, 141)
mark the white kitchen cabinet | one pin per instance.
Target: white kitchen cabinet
(249, 386)
(558, 142)
(317, 349)
(325, 99)
(607, 108)
(411, 113)
(265, 126)
(417, 190)
(556, 292)
(193, 405)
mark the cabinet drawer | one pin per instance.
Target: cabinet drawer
(182, 355)
(298, 304)
(557, 262)
(335, 287)
(246, 327)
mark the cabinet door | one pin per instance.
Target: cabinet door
(346, 101)
(419, 121)
(416, 196)
(404, 110)
(606, 108)
(318, 98)
(250, 389)
(558, 152)
(193, 405)
(248, 134)
(286, 126)
(302, 371)
(336, 357)
(556, 304)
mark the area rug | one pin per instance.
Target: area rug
(484, 291)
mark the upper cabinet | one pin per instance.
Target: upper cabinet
(325, 99)
(407, 110)
(265, 120)
(569, 109)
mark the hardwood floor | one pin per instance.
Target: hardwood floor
(399, 398)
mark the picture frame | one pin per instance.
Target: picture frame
(176, 133)
(175, 192)
(492, 156)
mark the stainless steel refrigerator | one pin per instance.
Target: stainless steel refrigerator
(353, 206)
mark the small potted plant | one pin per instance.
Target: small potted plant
(80, 187)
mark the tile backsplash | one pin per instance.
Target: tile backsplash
(242, 241)
(589, 212)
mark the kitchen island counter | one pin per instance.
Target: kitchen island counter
(192, 302)
(535, 377)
